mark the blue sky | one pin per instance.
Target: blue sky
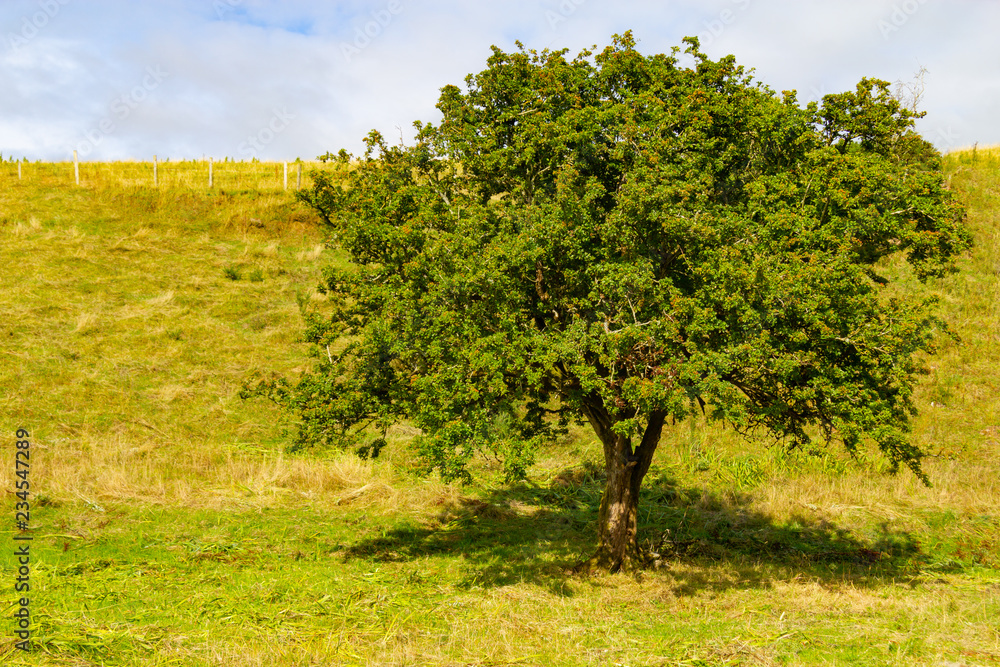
(278, 80)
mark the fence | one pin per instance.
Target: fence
(228, 174)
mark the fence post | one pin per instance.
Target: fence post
(209, 172)
(298, 185)
(155, 179)
(76, 168)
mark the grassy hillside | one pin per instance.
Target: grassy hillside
(171, 528)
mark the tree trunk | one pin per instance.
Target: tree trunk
(617, 538)
(617, 541)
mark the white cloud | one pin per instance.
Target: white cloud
(232, 65)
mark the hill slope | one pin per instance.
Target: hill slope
(171, 527)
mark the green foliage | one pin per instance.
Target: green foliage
(616, 238)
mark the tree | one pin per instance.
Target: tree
(621, 240)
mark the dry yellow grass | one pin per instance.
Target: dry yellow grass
(183, 174)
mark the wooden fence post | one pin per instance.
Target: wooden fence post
(155, 179)
(76, 168)
(298, 185)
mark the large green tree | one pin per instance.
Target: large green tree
(621, 239)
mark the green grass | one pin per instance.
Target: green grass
(172, 528)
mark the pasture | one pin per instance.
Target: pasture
(172, 528)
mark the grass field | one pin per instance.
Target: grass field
(185, 174)
(172, 529)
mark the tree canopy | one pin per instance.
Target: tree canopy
(620, 239)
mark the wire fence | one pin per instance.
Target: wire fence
(188, 174)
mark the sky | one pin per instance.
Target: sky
(244, 79)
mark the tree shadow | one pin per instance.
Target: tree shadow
(529, 533)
